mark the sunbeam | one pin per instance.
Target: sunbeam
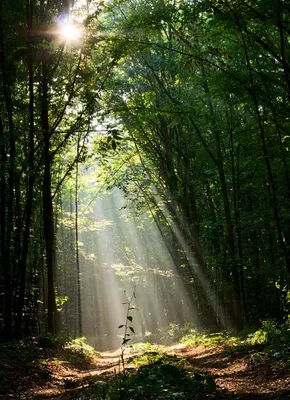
(194, 260)
(119, 252)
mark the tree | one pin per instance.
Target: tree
(192, 97)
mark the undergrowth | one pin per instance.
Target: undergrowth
(151, 374)
(271, 341)
(157, 376)
(80, 348)
(77, 346)
(31, 357)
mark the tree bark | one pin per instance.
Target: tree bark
(79, 308)
(48, 223)
(31, 178)
(8, 217)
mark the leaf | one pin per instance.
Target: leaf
(130, 318)
(120, 326)
(132, 330)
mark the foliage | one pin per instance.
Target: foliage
(51, 341)
(20, 349)
(274, 336)
(271, 335)
(270, 342)
(207, 339)
(126, 337)
(76, 349)
(80, 348)
(21, 357)
(149, 356)
(36, 358)
(199, 97)
(160, 376)
(147, 346)
(48, 100)
(182, 106)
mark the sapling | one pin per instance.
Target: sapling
(128, 329)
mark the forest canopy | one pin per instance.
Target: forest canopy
(143, 144)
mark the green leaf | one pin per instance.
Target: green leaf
(130, 318)
(120, 326)
(132, 330)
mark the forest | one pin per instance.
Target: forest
(145, 183)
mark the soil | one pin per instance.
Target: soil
(240, 374)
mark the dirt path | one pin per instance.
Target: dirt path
(239, 374)
(68, 382)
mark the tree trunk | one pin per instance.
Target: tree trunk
(218, 160)
(79, 309)
(273, 199)
(235, 185)
(49, 234)
(29, 198)
(8, 217)
(3, 160)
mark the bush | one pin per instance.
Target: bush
(160, 376)
(81, 348)
(52, 341)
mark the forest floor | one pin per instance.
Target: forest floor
(239, 373)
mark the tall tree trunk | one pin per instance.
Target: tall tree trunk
(218, 160)
(49, 233)
(79, 309)
(230, 236)
(3, 160)
(273, 199)
(6, 256)
(29, 198)
(235, 185)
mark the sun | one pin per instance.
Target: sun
(69, 31)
